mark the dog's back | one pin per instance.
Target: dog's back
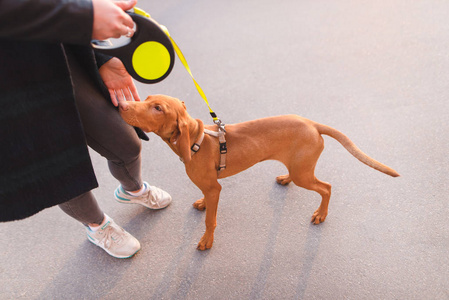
(281, 138)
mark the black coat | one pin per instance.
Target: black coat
(44, 160)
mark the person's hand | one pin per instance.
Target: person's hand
(110, 20)
(120, 85)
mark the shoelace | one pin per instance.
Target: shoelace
(109, 236)
(148, 198)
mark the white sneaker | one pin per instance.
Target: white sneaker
(153, 198)
(114, 239)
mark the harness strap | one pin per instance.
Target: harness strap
(196, 146)
(223, 148)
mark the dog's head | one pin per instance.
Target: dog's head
(163, 115)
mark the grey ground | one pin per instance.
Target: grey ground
(376, 70)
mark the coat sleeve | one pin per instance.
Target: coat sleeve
(101, 59)
(65, 21)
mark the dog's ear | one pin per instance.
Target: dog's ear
(180, 139)
(183, 144)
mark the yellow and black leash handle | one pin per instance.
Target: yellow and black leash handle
(149, 55)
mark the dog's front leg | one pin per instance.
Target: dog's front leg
(211, 197)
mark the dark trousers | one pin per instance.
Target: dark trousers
(107, 134)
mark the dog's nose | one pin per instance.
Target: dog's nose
(123, 105)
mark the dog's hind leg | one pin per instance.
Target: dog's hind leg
(302, 173)
(312, 183)
(324, 189)
(308, 181)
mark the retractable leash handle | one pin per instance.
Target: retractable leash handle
(148, 55)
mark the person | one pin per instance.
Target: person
(58, 96)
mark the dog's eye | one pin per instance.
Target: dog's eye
(158, 108)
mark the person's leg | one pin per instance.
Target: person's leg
(101, 229)
(109, 135)
(105, 130)
(85, 209)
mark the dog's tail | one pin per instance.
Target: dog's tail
(354, 150)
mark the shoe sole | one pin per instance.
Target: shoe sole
(116, 256)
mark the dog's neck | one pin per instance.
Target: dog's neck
(196, 129)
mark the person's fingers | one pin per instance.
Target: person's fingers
(113, 97)
(127, 94)
(133, 89)
(125, 5)
(128, 23)
(120, 96)
(127, 31)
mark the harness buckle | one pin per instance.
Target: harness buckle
(195, 148)
(220, 124)
(223, 148)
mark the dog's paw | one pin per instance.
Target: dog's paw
(284, 179)
(318, 216)
(200, 204)
(206, 242)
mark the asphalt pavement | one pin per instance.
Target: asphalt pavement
(376, 70)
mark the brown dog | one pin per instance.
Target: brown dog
(291, 139)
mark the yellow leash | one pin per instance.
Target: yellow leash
(221, 127)
(184, 62)
(186, 66)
